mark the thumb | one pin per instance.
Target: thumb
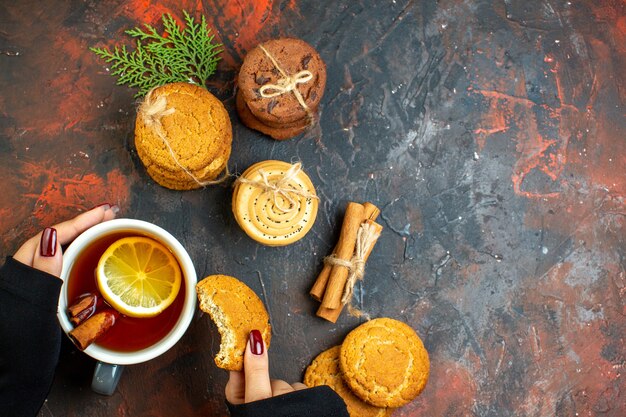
(48, 256)
(256, 369)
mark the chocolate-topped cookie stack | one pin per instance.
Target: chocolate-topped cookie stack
(281, 83)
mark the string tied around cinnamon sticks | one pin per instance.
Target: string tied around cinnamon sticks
(288, 83)
(334, 286)
(280, 187)
(152, 111)
(367, 236)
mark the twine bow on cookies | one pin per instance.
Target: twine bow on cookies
(280, 187)
(288, 83)
(153, 110)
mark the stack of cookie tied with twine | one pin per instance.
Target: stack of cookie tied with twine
(183, 136)
(281, 83)
(275, 202)
(381, 365)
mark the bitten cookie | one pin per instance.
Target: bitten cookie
(324, 370)
(183, 136)
(275, 203)
(236, 310)
(384, 362)
(273, 63)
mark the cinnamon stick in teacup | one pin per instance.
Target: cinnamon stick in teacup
(83, 308)
(92, 328)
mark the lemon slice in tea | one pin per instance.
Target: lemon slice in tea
(138, 276)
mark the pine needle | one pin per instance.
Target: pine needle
(179, 55)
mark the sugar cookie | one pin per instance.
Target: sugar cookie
(384, 362)
(324, 370)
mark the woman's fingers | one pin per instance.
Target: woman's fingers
(67, 231)
(26, 252)
(256, 369)
(70, 229)
(297, 386)
(255, 378)
(280, 387)
(48, 256)
(236, 388)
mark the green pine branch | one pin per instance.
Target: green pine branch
(179, 55)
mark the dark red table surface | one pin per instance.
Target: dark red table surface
(491, 133)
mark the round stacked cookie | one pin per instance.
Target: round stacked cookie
(183, 136)
(380, 365)
(325, 370)
(275, 203)
(281, 83)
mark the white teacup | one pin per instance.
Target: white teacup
(110, 363)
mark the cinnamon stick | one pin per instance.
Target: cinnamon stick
(371, 212)
(84, 301)
(345, 249)
(84, 308)
(92, 328)
(332, 314)
(319, 286)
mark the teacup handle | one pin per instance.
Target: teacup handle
(105, 378)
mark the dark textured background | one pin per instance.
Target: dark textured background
(490, 132)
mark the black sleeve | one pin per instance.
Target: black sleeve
(319, 401)
(30, 337)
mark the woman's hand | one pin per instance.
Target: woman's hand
(253, 383)
(43, 251)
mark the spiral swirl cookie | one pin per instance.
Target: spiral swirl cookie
(275, 203)
(324, 370)
(384, 362)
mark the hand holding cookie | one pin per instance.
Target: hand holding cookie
(253, 383)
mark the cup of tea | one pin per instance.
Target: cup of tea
(130, 340)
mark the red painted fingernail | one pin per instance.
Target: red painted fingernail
(256, 342)
(48, 245)
(105, 205)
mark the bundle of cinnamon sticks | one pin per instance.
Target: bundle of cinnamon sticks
(89, 323)
(334, 285)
